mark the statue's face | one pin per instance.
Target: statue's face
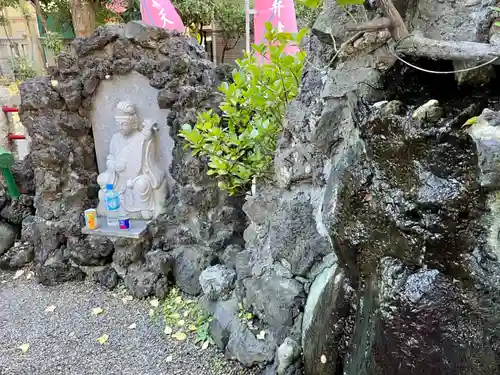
(126, 124)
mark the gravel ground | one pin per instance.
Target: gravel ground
(64, 341)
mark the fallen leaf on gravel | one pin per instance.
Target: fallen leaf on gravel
(18, 274)
(24, 347)
(127, 299)
(181, 323)
(154, 302)
(4, 281)
(168, 330)
(50, 308)
(323, 358)
(103, 339)
(180, 336)
(261, 335)
(132, 326)
(205, 345)
(192, 327)
(169, 358)
(97, 311)
(151, 313)
(29, 275)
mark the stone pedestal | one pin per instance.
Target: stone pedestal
(138, 228)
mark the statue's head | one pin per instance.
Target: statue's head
(126, 118)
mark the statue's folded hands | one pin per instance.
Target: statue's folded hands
(120, 166)
(110, 163)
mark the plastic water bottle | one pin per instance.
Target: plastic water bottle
(112, 203)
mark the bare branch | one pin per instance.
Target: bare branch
(447, 50)
(398, 28)
(373, 25)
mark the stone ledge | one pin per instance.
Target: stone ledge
(138, 229)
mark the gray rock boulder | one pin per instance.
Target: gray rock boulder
(229, 255)
(8, 236)
(107, 277)
(217, 281)
(486, 135)
(328, 301)
(292, 236)
(17, 256)
(244, 347)
(92, 251)
(412, 302)
(190, 261)
(275, 299)
(128, 251)
(143, 283)
(15, 211)
(160, 262)
(224, 319)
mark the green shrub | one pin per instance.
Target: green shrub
(23, 69)
(53, 42)
(240, 144)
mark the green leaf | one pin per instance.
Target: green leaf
(103, 339)
(471, 121)
(97, 311)
(180, 336)
(350, 2)
(240, 144)
(310, 3)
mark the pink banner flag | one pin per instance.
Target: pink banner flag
(161, 13)
(280, 13)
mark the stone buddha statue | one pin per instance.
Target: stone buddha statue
(134, 167)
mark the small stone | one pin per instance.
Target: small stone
(301, 280)
(394, 107)
(285, 263)
(107, 277)
(287, 353)
(428, 112)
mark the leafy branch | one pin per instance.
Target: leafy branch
(240, 143)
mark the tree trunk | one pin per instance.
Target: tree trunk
(40, 16)
(33, 37)
(447, 50)
(223, 54)
(83, 14)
